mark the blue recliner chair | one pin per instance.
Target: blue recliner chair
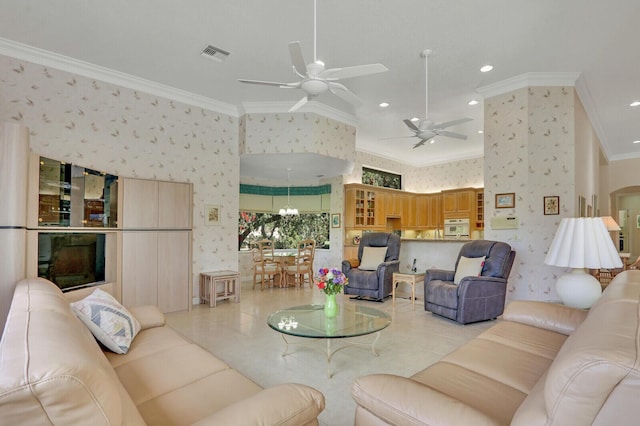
(377, 283)
(473, 298)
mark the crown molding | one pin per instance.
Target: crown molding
(310, 107)
(530, 79)
(589, 106)
(64, 63)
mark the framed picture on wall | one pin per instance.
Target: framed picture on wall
(506, 201)
(582, 207)
(212, 214)
(552, 205)
(335, 220)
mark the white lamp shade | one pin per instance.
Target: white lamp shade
(583, 242)
(610, 224)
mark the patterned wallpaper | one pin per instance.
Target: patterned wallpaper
(298, 133)
(456, 174)
(123, 132)
(530, 151)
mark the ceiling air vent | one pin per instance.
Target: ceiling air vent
(214, 53)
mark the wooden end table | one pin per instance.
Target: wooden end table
(411, 278)
(219, 285)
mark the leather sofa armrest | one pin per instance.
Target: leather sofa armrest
(402, 401)
(148, 316)
(288, 404)
(549, 316)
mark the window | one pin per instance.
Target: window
(285, 231)
(380, 178)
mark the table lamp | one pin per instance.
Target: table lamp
(581, 243)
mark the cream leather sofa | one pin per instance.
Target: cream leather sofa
(52, 371)
(543, 364)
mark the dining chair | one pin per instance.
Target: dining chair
(303, 263)
(264, 264)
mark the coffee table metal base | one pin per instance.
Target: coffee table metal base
(328, 352)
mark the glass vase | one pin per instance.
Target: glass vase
(330, 306)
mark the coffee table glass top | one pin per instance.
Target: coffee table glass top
(310, 321)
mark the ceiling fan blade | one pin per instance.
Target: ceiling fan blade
(451, 123)
(270, 83)
(451, 134)
(419, 144)
(410, 125)
(397, 137)
(298, 104)
(345, 94)
(349, 72)
(297, 59)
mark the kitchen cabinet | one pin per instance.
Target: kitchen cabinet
(408, 211)
(435, 219)
(422, 211)
(479, 223)
(361, 207)
(457, 204)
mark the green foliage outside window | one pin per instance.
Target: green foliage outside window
(285, 231)
(380, 178)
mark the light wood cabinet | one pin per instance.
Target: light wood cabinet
(156, 244)
(435, 219)
(155, 204)
(422, 211)
(458, 203)
(479, 209)
(408, 211)
(362, 208)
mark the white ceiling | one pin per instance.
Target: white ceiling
(161, 41)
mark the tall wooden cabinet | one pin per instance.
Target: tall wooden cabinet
(156, 243)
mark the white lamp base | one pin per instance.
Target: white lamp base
(578, 289)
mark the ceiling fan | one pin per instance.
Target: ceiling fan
(427, 130)
(315, 79)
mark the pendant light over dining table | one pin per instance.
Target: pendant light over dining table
(287, 210)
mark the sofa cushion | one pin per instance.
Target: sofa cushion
(468, 267)
(110, 322)
(372, 257)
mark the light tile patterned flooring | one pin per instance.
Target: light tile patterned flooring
(238, 334)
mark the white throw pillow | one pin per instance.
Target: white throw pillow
(109, 321)
(372, 257)
(468, 267)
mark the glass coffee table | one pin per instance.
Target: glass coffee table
(310, 322)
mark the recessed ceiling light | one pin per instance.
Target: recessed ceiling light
(636, 103)
(481, 131)
(384, 104)
(432, 141)
(486, 68)
(636, 141)
(414, 119)
(473, 102)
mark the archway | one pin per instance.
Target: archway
(625, 209)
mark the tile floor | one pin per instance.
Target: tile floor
(238, 333)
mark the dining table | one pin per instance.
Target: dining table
(283, 259)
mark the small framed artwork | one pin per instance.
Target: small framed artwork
(506, 201)
(582, 206)
(594, 203)
(212, 214)
(335, 220)
(638, 221)
(552, 205)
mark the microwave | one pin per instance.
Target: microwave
(456, 227)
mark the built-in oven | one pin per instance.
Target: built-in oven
(456, 228)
